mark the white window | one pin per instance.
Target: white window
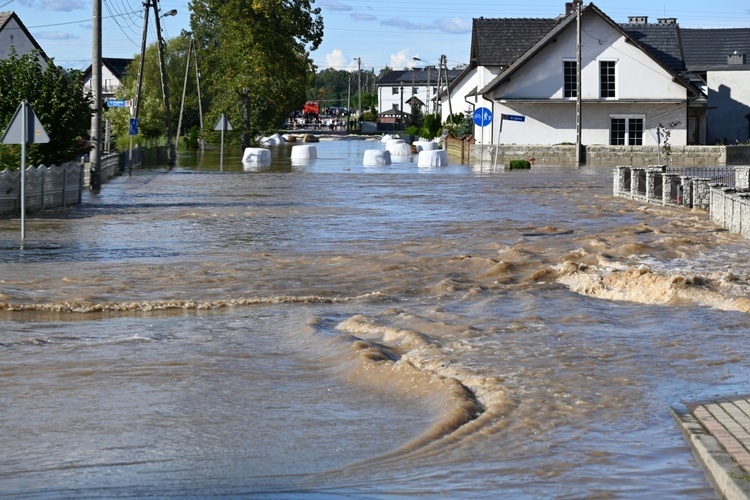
(626, 130)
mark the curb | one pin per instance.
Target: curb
(728, 479)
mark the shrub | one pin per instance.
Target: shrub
(520, 164)
(430, 127)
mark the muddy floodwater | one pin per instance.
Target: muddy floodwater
(325, 329)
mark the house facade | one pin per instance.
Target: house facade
(633, 81)
(15, 36)
(401, 91)
(721, 59)
(113, 70)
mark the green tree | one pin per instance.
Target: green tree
(430, 126)
(152, 123)
(56, 97)
(259, 66)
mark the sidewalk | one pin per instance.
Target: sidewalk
(719, 433)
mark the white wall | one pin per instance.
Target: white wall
(12, 36)
(729, 93)
(110, 83)
(459, 103)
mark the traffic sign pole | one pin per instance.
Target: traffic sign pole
(24, 127)
(24, 138)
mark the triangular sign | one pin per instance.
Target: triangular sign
(223, 123)
(34, 133)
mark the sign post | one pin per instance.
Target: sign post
(482, 117)
(510, 118)
(223, 124)
(23, 128)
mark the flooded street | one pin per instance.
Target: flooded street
(326, 329)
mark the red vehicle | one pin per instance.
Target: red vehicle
(311, 109)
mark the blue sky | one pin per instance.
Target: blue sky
(379, 32)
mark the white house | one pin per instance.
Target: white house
(15, 36)
(113, 70)
(719, 57)
(495, 45)
(627, 91)
(400, 91)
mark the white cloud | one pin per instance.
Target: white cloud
(55, 35)
(454, 25)
(334, 5)
(402, 59)
(364, 17)
(338, 60)
(62, 5)
(398, 22)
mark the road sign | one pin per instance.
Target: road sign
(514, 118)
(482, 117)
(118, 103)
(133, 126)
(34, 132)
(223, 124)
(24, 128)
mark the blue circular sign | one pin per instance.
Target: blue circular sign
(482, 117)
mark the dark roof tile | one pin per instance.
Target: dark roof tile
(705, 48)
(661, 41)
(499, 42)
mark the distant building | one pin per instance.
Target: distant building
(113, 70)
(15, 36)
(399, 91)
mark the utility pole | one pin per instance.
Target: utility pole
(401, 110)
(444, 62)
(578, 82)
(184, 91)
(198, 84)
(139, 85)
(359, 88)
(349, 104)
(96, 85)
(164, 88)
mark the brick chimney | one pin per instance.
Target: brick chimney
(571, 6)
(667, 20)
(736, 58)
(637, 19)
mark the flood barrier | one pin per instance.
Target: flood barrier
(722, 191)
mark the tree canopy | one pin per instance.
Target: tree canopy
(57, 98)
(257, 66)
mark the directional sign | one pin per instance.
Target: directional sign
(514, 118)
(482, 117)
(118, 103)
(133, 126)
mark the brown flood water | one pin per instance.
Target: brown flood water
(331, 330)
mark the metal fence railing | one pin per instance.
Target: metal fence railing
(715, 175)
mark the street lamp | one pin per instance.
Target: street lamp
(168, 13)
(428, 83)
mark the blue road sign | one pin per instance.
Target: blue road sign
(118, 103)
(134, 126)
(514, 118)
(482, 117)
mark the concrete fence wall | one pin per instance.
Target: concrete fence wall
(56, 187)
(728, 206)
(46, 187)
(637, 156)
